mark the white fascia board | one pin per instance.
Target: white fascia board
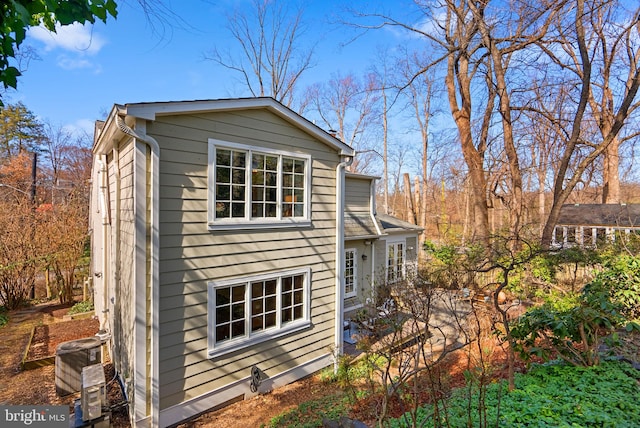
(150, 111)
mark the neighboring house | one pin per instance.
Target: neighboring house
(590, 224)
(379, 249)
(218, 250)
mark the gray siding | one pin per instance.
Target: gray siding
(357, 194)
(123, 247)
(191, 255)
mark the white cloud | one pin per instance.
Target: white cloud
(67, 63)
(75, 37)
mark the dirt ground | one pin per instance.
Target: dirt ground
(37, 386)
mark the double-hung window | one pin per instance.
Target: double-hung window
(249, 310)
(395, 261)
(257, 186)
(350, 272)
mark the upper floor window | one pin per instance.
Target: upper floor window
(350, 272)
(395, 261)
(250, 185)
(249, 310)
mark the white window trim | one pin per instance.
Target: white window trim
(247, 222)
(250, 339)
(354, 293)
(404, 258)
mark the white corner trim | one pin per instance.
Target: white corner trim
(204, 402)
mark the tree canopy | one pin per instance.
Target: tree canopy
(19, 15)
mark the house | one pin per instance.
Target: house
(218, 250)
(590, 224)
(379, 249)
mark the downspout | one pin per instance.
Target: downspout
(154, 252)
(372, 212)
(339, 305)
(103, 207)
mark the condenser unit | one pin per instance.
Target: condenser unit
(93, 396)
(71, 357)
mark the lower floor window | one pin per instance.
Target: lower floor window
(254, 308)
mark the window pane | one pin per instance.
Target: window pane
(270, 287)
(223, 296)
(271, 163)
(297, 297)
(286, 299)
(299, 166)
(238, 311)
(256, 289)
(270, 210)
(270, 320)
(237, 328)
(239, 159)
(257, 161)
(256, 306)
(287, 282)
(223, 157)
(238, 293)
(223, 192)
(287, 165)
(287, 315)
(270, 304)
(257, 210)
(223, 332)
(298, 281)
(297, 312)
(223, 315)
(223, 175)
(238, 210)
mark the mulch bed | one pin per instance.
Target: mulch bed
(46, 338)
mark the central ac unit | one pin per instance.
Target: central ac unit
(93, 396)
(71, 357)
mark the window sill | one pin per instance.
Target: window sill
(257, 338)
(244, 225)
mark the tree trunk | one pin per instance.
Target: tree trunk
(611, 177)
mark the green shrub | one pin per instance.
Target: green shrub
(550, 395)
(81, 307)
(621, 281)
(573, 327)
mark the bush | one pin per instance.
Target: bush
(621, 281)
(550, 395)
(81, 307)
(572, 328)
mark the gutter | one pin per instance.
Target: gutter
(154, 246)
(339, 305)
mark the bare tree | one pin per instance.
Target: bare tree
(575, 55)
(350, 107)
(270, 57)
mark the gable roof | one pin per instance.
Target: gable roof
(151, 110)
(612, 215)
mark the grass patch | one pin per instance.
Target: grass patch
(310, 413)
(550, 395)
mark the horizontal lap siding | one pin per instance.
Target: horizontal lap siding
(123, 236)
(357, 194)
(191, 255)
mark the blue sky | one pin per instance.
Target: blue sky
(84, 70)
